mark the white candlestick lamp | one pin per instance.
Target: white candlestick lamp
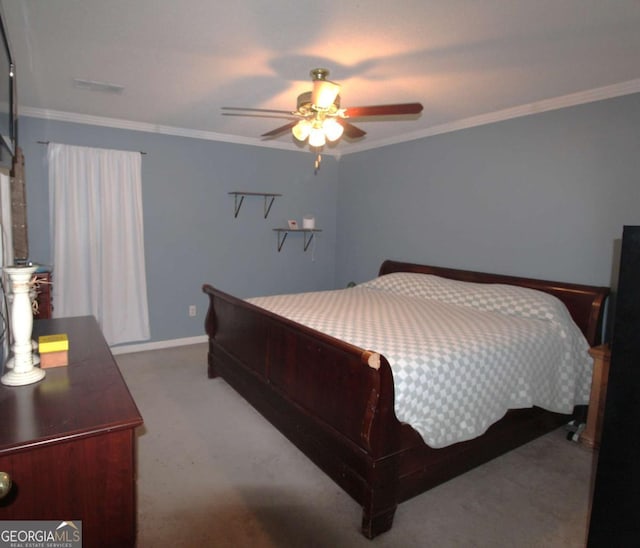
(20, 368)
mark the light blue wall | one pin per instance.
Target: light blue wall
(191, 235)
(542, 196)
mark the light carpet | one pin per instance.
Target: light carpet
(213, 472)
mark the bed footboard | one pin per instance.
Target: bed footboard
(331, 399)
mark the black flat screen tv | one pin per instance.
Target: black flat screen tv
(8, 105)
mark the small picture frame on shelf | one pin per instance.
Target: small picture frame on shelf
(293, 224)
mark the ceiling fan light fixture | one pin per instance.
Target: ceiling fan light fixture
(332, 129)
(301, 130)
(317, 137)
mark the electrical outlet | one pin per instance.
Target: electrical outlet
(192, 310)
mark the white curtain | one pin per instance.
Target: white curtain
(95, 211)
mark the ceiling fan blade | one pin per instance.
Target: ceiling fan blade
(383, 110)
(279, 130)
(256, 115)
(259, 110)
(350, 130)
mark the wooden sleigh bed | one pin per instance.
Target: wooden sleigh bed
(335, 401)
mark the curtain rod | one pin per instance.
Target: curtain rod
(47, 142)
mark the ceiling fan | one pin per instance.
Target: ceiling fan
(318, 117)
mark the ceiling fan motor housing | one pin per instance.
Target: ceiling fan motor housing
(305, 106)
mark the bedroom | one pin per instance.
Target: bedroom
(543, 195)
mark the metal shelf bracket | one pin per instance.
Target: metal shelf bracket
(269, 198)
(308, 234)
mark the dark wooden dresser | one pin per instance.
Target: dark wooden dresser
(68, 441)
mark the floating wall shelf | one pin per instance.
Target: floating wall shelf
(308, 235)
(269, 197)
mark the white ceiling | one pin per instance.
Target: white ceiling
(466, 61)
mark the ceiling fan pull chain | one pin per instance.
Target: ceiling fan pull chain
(316, 164)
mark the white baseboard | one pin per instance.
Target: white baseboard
(158, 345)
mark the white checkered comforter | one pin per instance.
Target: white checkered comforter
(461, 354)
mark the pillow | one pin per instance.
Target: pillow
(501, 298)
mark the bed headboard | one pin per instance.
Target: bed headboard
(584, 302)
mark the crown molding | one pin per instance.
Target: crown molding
(573, 99)
(118, 123)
